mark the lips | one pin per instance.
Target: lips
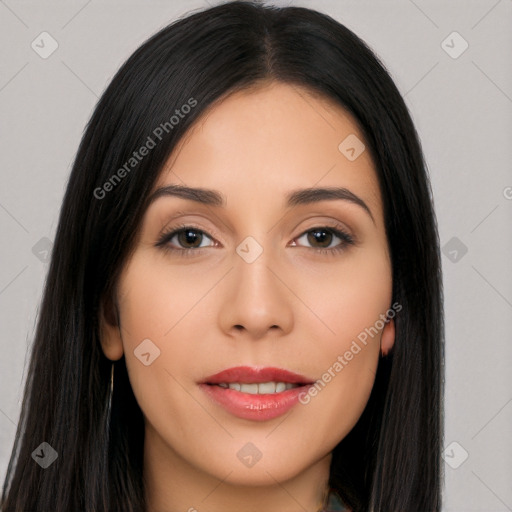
(257, 394)
(251, 375)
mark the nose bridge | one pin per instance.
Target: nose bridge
(252, 267)
(257, 299)
(256, 284)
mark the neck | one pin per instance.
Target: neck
(174, 485)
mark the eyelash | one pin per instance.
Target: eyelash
(346, 240)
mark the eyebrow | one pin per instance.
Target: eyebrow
(294, 198)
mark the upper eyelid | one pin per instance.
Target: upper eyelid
(166, 232)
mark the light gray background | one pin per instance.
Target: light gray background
(462, 108)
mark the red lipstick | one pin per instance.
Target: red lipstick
(257, 394)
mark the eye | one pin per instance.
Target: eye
(186, 238)
(325, 236)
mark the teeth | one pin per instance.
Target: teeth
(266, 387)
(262, 388)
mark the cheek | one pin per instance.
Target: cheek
(152, 315)
(150, 307)
(349, 297)
(349, 302)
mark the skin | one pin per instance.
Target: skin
(293, 307)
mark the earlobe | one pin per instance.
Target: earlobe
(388, 337)
(110, 330)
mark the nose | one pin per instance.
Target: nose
(256, 302)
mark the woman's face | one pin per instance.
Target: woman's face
(260, 281)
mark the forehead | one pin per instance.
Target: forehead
(269, 140)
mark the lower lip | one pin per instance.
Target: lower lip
(254, 407)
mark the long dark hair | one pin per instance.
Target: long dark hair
(390, 461)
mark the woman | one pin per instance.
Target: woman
(244, 306)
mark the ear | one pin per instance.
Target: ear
(387, 339)
(110, 329)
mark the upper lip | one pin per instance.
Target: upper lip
(249, 375)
